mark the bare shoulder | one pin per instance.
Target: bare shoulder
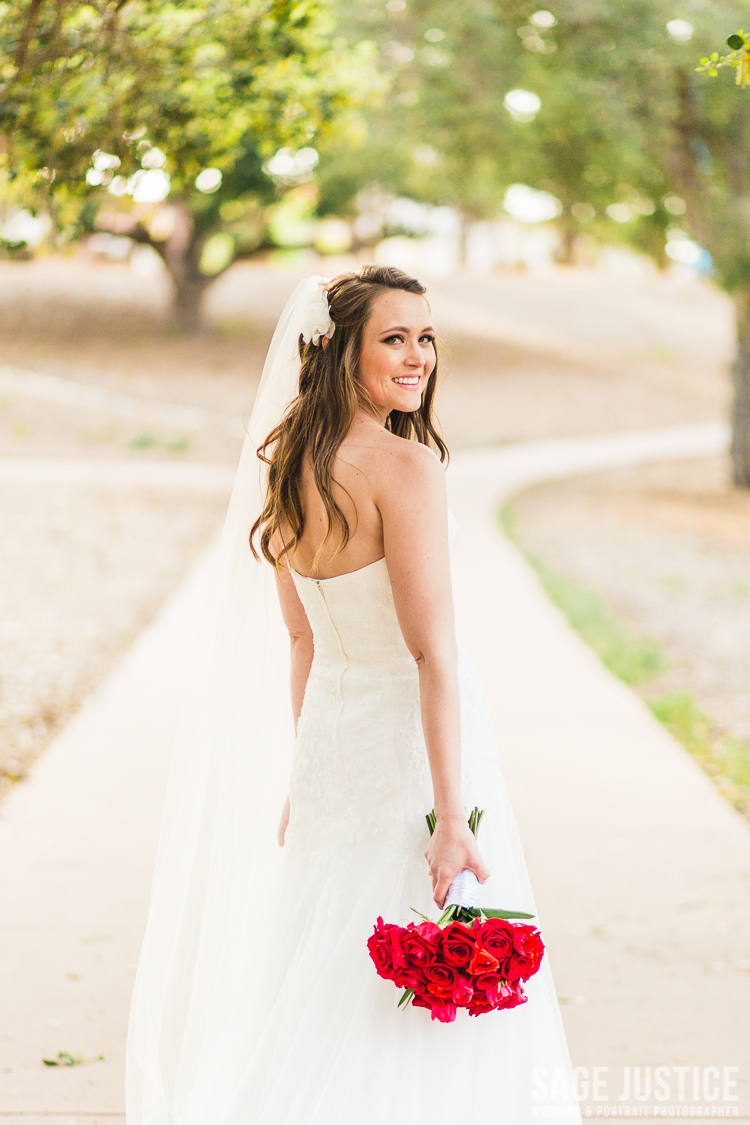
(401, 465)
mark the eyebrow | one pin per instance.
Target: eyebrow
(402, 328)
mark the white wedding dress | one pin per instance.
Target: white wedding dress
(255, 1001)
(326, 1043)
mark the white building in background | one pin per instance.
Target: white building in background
(436, 243)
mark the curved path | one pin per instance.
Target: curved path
(641, 870)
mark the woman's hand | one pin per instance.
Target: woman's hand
(283, 823)
(453, 848)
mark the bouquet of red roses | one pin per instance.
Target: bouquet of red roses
(470, 958)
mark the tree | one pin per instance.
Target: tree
(739, 57)
(476, 103)
(177, 106)
(440, 135)
(692, 134)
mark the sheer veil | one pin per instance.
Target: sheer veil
(217, 855)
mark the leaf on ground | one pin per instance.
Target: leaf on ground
(65, 1058)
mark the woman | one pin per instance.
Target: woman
(256, 1002)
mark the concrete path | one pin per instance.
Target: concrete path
(641, 870)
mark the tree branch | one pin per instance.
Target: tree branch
(32, 16)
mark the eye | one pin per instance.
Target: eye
(397, 338)
(430, 339)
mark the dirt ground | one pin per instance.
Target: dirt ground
(668, 546)
(82, 572)
(83, 569)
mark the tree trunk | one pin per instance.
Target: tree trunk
(181, 253)
(741, 404)
(463, 238)
(187, 301)
(567, 252)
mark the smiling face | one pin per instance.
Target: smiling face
(398, 352)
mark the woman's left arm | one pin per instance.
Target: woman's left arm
(300, 635)
(412, 502)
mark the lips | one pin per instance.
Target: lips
(407, 381)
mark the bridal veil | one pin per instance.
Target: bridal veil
(217, 853)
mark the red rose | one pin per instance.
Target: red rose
(528, 945)
(416, 946)
(526, 957)
(409, 978)
(381, 949)
(526, 938)
(496, 936)
(511, 995)
(485, 981)
(441, 979)
(444, 1011)
(479, 1005)
(500, 993)
(463, 992)
(428, 930)
(457, 944)
(482, 962)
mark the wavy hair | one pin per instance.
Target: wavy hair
(318, 420)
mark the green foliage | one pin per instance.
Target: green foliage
(725, 759)
(144, 440)
(667, 130)
(630, 139)
(444, 135)
(440, 135)
(65, 1058)
(739, 57)
(586, 144)
(97, 93)
(198, 80)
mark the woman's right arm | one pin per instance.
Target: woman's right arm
(300, 635)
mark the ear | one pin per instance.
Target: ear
(325, 342)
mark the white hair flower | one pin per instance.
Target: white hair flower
(317, 320)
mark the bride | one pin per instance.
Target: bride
(256, 1002)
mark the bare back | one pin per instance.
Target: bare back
(358, 471)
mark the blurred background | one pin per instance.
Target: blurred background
(572, 184)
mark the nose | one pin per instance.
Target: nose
(415, 357)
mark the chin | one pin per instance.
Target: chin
(409, 403)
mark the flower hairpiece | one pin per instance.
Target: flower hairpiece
(317, 320)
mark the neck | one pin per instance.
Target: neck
(375, 414)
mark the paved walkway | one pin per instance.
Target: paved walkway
(641, 870)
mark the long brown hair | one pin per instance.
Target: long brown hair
(319, 419)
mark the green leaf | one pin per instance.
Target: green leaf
(419, 914)
(735, 42)
(506, 913)
(64, 1058)
(406, 997)
(715, 56)
(446, 916)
